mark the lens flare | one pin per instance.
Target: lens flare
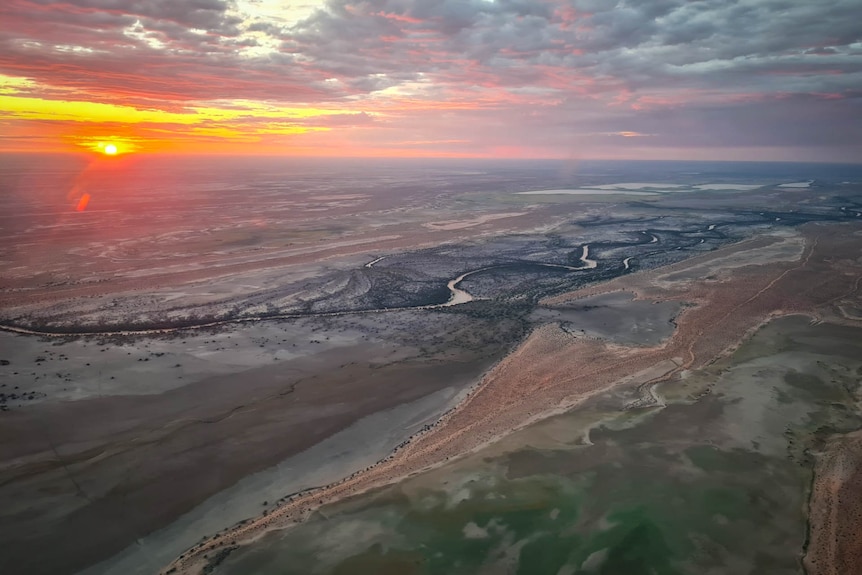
(82, 203)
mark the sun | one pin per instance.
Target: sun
(109, 145)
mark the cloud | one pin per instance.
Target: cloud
(209, 15)
(705, 72)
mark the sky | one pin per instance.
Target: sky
(573, 79)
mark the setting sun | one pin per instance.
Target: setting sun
(108, 146)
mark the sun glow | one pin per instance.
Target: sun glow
(112, 147)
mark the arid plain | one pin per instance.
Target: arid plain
(206, 354)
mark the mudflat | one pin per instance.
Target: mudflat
(137, 462)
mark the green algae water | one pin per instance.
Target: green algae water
(715, 482)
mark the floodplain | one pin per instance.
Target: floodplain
(465, 375)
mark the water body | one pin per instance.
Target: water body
(372, 262)
(459, 296)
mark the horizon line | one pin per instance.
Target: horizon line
(222, 155)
